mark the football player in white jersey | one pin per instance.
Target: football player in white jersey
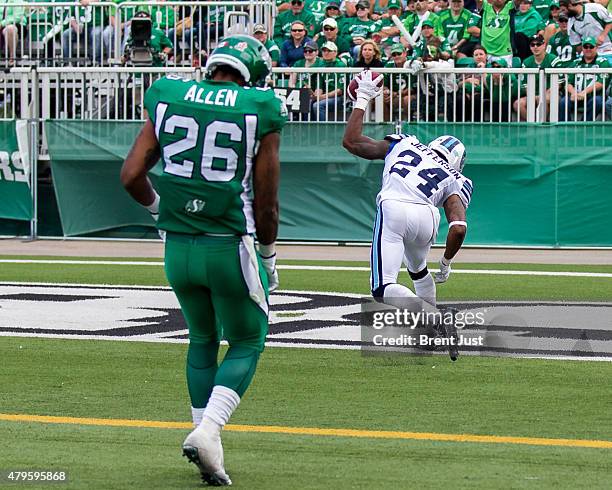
(417, 179)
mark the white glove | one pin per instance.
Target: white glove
(269, 265)
(445, 270)
(153, 209)
(413, 66)
(367, 89)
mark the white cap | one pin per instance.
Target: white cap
(331, 22)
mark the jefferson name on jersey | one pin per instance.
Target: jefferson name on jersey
(415, 173)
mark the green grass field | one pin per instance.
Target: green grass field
(312, 388)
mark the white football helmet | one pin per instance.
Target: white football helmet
(451, 149)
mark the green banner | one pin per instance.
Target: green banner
(15, 196)
(533, 185)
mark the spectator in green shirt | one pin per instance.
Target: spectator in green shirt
(282, 24)
(89, 27)
(527, 23)
(539, 59)
(261, 34)
(495, 31)
(330, 32)
(329, 86)
(501, 90)
(585, 90)
(398, 86)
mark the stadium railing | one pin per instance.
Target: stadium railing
(73, 34)
(432, 95)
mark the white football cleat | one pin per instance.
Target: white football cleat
(203, 447)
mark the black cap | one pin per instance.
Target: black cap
(563, 17)
(536, 38)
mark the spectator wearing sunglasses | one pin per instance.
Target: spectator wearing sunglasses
(539, 59)
(330, 32)
(283, 22)
(311, 60)
(585, 90)
(328, 87)
(359, 28)
(560, 45)
(293, 48)
(590, 20)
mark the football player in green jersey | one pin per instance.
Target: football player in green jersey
(218, 141)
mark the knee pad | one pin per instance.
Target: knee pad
(415, 276)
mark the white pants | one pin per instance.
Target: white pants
(402, 232)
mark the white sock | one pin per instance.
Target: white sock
(221, 404)
(196, 415)
(402, 297)
(425, 289)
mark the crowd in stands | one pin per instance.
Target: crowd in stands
(352, 33)
(474, 34)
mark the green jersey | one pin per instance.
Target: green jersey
(282, 25)
(559, 45)
(547, 62)
(542, 7)
(208, 133)
(529, 23)
(353, 27)
(454, 29)
(328, 82)
(582, 81)
(421, 47)
(159, 42)
(341, 43)
(273, 50)
(495, 33)
(413, 20)
(398, 81)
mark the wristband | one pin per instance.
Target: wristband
(361, 103)
(459, 223)
(267, 251)
(153, 208)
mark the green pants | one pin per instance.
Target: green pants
(221, 287)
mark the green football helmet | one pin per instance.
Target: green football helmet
(245, 54)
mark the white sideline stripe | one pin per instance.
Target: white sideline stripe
(607, 275)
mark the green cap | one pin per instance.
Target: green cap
(589, 40)
(427, 23)
(394, 4)
(501, 62)
(397, 48)
(554, 4)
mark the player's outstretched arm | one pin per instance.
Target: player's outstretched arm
(142, 157)
(358, 144)
(457, 227)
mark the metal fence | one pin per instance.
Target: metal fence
(100, 33)
(488, 95)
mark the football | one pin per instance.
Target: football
(352, 87)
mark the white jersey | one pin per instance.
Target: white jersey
(415, 173)
(591, 24)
